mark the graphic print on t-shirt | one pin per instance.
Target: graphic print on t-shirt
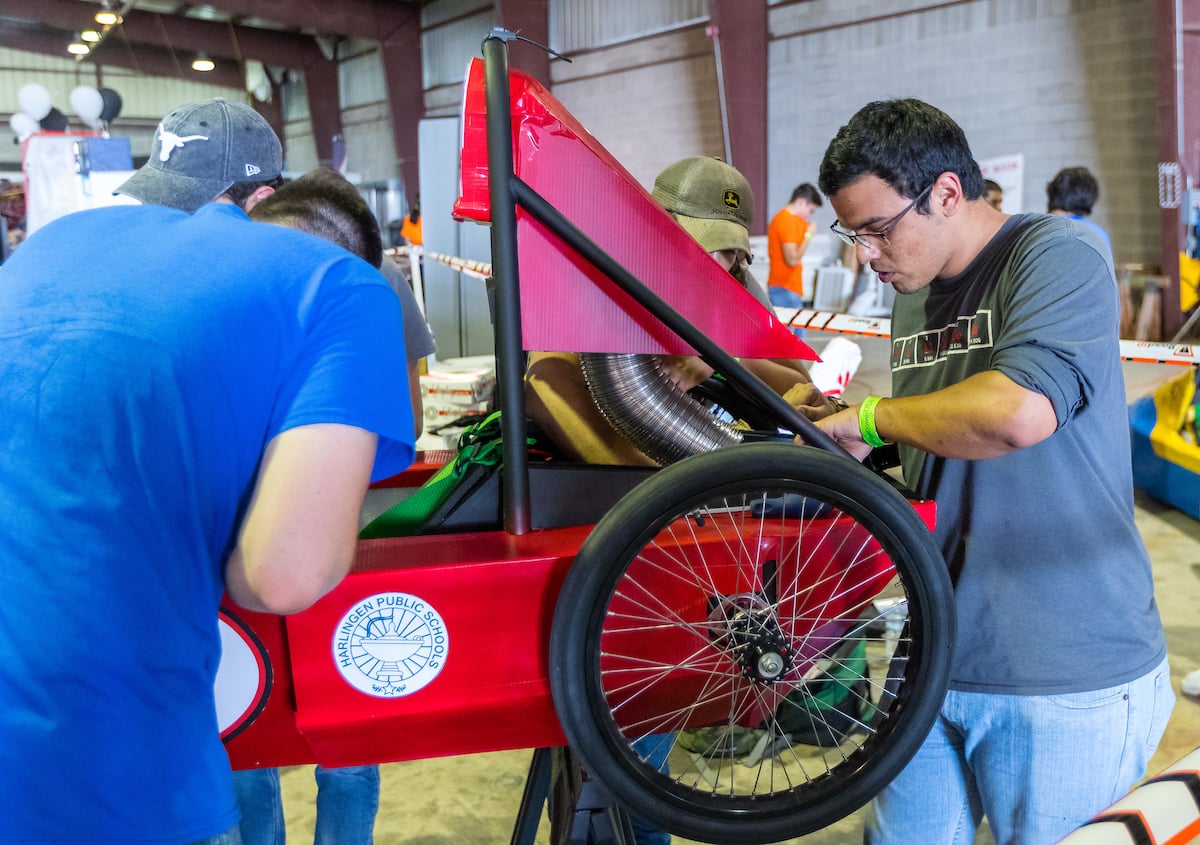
(931, 346)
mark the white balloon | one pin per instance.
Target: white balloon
(87, 103)
(23, 125)
(34, 100)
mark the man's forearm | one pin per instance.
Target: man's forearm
(985, 416)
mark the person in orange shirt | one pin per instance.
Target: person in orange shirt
(787, 239)
(410, 229)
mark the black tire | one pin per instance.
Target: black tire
(701, 601)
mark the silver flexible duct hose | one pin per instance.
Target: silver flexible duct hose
(640, 401)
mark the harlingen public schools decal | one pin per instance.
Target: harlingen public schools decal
(390, 645)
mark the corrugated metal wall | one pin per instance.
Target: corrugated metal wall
(643, 79)
(453, 32)
(360, 74)
(144, 99)
(589, 24)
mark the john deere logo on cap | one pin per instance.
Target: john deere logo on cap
(732, 200)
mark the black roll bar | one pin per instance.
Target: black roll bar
(505, 192)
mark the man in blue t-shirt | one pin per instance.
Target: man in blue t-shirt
(1009, 410)
(1072, 193)
(189, 408)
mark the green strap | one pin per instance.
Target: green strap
(479, 445)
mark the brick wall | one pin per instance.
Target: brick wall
(1063, 82)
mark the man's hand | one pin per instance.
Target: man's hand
(686, 371)
(832, 416)
(811, 402)
(843, 428)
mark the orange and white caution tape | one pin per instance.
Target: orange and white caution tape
(1151, 352)
(1137, 351)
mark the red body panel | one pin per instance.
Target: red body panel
(495, 593)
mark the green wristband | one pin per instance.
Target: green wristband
(866, 422)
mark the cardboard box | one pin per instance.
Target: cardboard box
(460, 381)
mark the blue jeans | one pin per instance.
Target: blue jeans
(788, 298)
(347, 802)
(656, 749)
(1037, 766)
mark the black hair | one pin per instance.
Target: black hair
(906, 143)
(989, 186)
(807, 192)
(1074, 190)
(414, 213)
(322, 202)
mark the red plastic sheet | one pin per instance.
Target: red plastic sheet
(567, 305)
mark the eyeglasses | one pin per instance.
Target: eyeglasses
(879, 238)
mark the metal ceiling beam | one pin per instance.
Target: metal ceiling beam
(401, 54)
(148, 60)
(355, 18)
(173, 32)
(151, 43)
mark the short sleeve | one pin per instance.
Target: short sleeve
(1061, 313)
(347, 370)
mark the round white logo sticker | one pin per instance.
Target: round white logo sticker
(390, 645)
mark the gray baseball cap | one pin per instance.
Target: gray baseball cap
(710, 199)
(200, 150)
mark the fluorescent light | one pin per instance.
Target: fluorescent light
(203, 63)
(78, 48)
(107, 18)
(90, 35)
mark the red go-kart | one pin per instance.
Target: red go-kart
(647, 618)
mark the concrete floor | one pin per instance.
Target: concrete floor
(473, 800)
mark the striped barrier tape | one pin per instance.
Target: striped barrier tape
(1136, 351)
(478, 269)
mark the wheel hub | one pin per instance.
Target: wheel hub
(747, 626)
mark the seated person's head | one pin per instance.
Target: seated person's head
(323, 203)
(713, 202)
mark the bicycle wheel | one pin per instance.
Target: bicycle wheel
(712, 608)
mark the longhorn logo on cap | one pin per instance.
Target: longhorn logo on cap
(170, 142)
